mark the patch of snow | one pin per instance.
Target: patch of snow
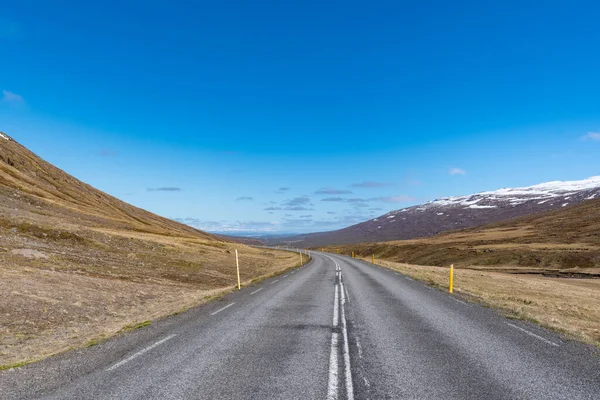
(3, 136)
(565, 204)
(591, 197)
(439, 213)
(477, 206)
(542, 202)
(391, 216)
(376, 219)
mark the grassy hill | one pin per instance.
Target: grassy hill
(530, 268)
(562, 242)
(77, 264)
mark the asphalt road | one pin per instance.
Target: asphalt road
(337, 328)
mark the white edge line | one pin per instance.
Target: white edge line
(139, 353)
(256, 291)
(460, 301)
(285, 276)
(332, 385)
(532, 334)
(275, 281)
(218, 311)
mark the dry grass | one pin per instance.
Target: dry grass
(570, 306)
(77, 265)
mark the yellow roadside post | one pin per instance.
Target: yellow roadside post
(373, 259)
(352, 254)
(237, 265)
(451, 286)
(300, 257)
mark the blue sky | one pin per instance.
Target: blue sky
(281, 117)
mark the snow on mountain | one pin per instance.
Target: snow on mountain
(450, 213)
(3, 136)
(542, 191)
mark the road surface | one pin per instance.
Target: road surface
(337, 328)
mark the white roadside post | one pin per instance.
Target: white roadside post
(237, 265)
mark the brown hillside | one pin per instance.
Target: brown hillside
(77, 264)
(565, 241)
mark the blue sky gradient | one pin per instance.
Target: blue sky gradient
(223, 104)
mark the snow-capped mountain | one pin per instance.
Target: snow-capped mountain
(458, 212)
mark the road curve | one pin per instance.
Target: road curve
(337, 328)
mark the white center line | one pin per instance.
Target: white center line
(226, 307)
(139, 353)
(335, 307)
(349, 386)
(532, 334)
(275, 281)
(285, 276)
(256, 291)
(332, 386)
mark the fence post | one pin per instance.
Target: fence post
(237, 265)
(451, 286)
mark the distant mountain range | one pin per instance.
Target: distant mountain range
(451, 213)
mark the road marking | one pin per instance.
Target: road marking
(335, 307)
(460, 301)
(256, 291)
(532, 334)
(275, 281)
(224, 308)
(349, 387)
(332, 386)
(292, 272)
(139, 353)
(366, 382)
(359, 347)
(409, 278)
(347, 295)
(285, 276)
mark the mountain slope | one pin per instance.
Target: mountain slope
(29, 183)
(559, 242)
(77, 264)
(452, 213)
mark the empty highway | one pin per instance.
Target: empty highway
(337, 328)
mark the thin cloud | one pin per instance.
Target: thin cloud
(106, 152)
(165, 189)
(272, 209)
(245, 198)
(9, 97)
(396, 199)
(298, 208)
(332, 191)
(371, 184)
(297, 201)
(282, 190)
(331, 212)
(457, 171)
(593, 136)
(333, 199)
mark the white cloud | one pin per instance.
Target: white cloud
(595, 136)
(11, 98)
(457, 171)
